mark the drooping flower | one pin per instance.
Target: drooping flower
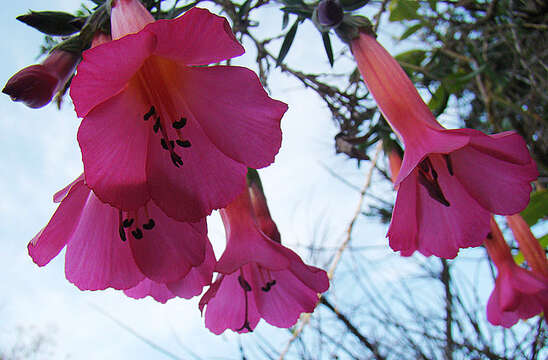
(258, 276)
(450, 180)
(518, 292)
(159, 125)
(36, 85)
(530, 247)
(107, 247)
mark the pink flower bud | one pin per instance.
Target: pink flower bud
(36, 85)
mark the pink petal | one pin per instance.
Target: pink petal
(147, 287)
(441, 230)
(314, 278)
(207, 179)
(226, 308)
(127, 17)
(114, 139)
(60, 195)
(103, 73)
(96, 257)
(495, 315)
(235, 112)
(196, 38)
(51, 239)
(496, 173)
(193, 283)
(285, 301)
(170, 249)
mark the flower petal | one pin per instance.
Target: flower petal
(114, 139)
(496, 171)
(226, 309)
(147, 287)
(96, 257)
(169, 250)
(234, 111)
(106, 69)
(402, 233)
(196, 38)
(52, 238)
(193, 283)
(285, 301)
(60, 195)
(207, 179)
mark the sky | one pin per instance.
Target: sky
(41, 155)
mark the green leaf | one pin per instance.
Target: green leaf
(537, 209)
(433, 4)
(414, 57)
(328, 48)
(351, 5)
(298, 10)
(411, 30)
(288, 41)
(519, 258)
(403, 10)
(244, 9)
(439, 100)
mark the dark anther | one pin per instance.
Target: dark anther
(423, 165)
(449, 164)
(122, 233)
(184, 143)
(244, 284)
(156, 126)
(137, 233)
(172, 143)
(434, 174)
(489, 235)
(245, 326)
(433, 188)
(268, 286)
(179, 124)
(176, 159)
(164, 143)
(127, 223)
(151, 112)
(149, 225)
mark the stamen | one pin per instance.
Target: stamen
(268, 286)
(149, 225)
(433, 188)
(183, 143)
(164, 143)
(176, 159)
(127, 223)
(156, 126)
(244, 284)
(137, 233)
(179, 124)
(449, 164)
(122, 233)
(151, 112)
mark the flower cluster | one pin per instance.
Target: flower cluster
(166, 138)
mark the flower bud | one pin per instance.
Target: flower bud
(53, 22)
(330, 13)
(36, 85)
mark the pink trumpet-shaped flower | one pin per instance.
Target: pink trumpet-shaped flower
(518, 293)
(530, 247)
(450, 180)
(107, 247)
(159, 125)
(259, 278)
(36, 85)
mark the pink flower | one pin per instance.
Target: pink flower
(159, 125)
(107, 247)
(259, 278)
(36, 85)
(450, 180)
(518, 293)
(530, 247)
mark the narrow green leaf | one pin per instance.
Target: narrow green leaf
(403, 10)
(411, 30)
(414, 57)
(297, 10)
(244, 9)
(328, 48)
(288, 41)
(351, 5)
(439, 100)
(537, 209)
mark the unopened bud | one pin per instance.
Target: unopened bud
(36, 85)
(53, 22)
(330, 13)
